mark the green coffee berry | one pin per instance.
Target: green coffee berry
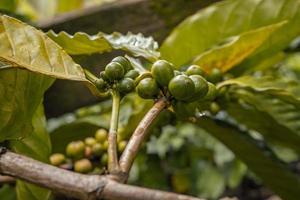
(182, 87)
(122, 145)
(75, 149)
(114, 71)
(90, 141)
(147, 88)
(125, 85)
(133, 74)
(124, 62)
(57, 159)
(195, 70)
(101, 135)
(83, 166)
(97, 149)
(162, 71)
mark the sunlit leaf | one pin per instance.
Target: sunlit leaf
(82, 43)
(236, 50)
(23, 46)
(211, 25)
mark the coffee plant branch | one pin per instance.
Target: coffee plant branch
(77, 185)
(139, 135)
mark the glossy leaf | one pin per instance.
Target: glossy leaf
(20, 94)
(37, 145)
(213, 24)
(284, 89)
(23, 46)
(236, 50)
(272, 131)
(272, 173)
(285, 114)
(82, 43)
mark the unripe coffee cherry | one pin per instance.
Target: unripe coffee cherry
(201, 87)
(126, 85)
(105, 145)
(97, 149)
(147, 88)
(75, 149)
(104, 76)
(211, 93)
(182, 87)
(101, 135)
(100, 84)
(83, 166)
(90, 141)
(214, 108)
(133, 74)
(122, 145)
(162, 71)
(57, 159)
(88, 152)
(124, 62)
(104, 159)
(114, 71)
(195, 70)
(215, 75)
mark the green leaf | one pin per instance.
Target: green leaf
(285, 114)
(8, 192)
(284, 89)
(82, 43)
(213, 24)
(236, 173)
(36, 146)
(69, 5)
(272, 173)
(23, 46)
(20, 94)
(272, 131)
(210, 182)
(8, 5)
(236, 50)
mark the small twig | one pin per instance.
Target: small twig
(7, 180)
(113, 164)
(139, 135)
(76, 185)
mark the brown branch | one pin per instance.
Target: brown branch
(139, 135)
(7, 180)
(76, 185)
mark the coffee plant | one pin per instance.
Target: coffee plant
(216, 102)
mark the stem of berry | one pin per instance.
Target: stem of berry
(139, 135)
(113, 164)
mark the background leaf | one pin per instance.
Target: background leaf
(82, 43)
(20, 94)
(236, 50)
(213, 24)
(8, 192)
(37, 146)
